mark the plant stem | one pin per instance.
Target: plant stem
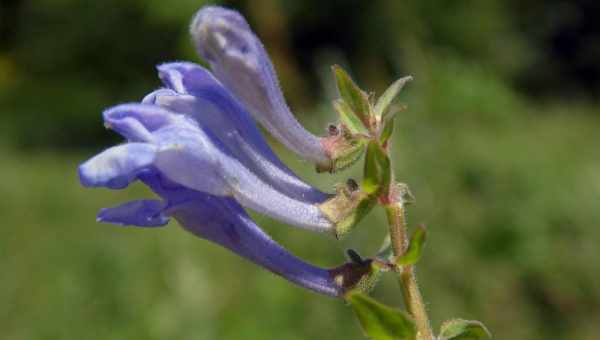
(406, 276)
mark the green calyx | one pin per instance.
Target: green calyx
(364, 126)
(361, 121)
(359, 275)
(343, 149)
(347, 207)
(377, 170)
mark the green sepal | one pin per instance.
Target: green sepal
(344, 150)
(369, 278)
(386, 131)
(350, 120)
(387, 98)
(347, 208)
(415, 248)
(357, 99)
(347, 157)
(390, 113)
(459, 329)
(362, 209)
(377, 171)
(381, 322)
(368, 282)
(400, 192)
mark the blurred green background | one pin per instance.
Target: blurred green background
(500, 145)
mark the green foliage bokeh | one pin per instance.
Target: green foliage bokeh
(499, 145)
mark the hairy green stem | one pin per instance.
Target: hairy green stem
(406, 276)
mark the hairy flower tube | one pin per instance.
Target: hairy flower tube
(239, 60)
(223, 221)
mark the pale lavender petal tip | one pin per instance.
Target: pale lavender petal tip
(135, 120)
(171, 74)
(151, 98)
(116, 167)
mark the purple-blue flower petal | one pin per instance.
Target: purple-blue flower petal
(223, 221)
(194, 157)
(152, 96)
(175, 102)
(116, 167)
(141, 213)
(137, 122)
(239, 60)
(214, 108)
(182, 152)
(190, 158)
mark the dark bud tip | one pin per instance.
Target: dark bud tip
(352, 185)
(355, 257)
(333, 130)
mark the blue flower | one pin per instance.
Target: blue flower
(239, 60)
(199, 136)
(196, 146)
(194, 91)
(223, 221)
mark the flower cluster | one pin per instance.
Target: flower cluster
(196, 145)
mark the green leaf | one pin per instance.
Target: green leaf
(357, 100)
(459, 329)
(386, 132)
(389, 95)
(391, 112)
(351, 121)
(379, 321)
(415, 248)
(377, 172)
